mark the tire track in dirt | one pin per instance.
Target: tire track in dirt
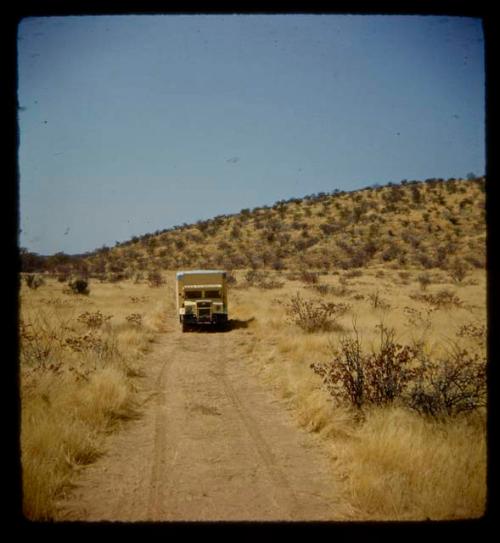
(211, 445)
(283, 491)
(155, 493)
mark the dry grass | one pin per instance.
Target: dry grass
(403, 467)
(394, 463)
(80, 357)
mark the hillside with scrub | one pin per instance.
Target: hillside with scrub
(362, 314)
(429, 224)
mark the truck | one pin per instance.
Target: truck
(202, 298)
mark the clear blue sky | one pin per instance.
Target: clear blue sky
(131, 124)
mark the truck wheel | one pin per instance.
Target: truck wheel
(184, 327)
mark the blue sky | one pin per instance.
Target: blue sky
(131, 124)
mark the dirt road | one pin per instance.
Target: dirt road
(211, 445)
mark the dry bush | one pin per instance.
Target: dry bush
(475, 331)
(94, 320)
(33, 281)
(41, 340)
(377, 301)
(308, 277)
(262, 280)
(424, 280)
(314, 316)
(155, 279)
(458, 270)
(442, 299)
(135, 319)
(450, 386)
(376, 378)
(390, 369)
(323, 289)
(418, 319)
(344, 375)
(79, 286)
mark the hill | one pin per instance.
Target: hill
(423, 224)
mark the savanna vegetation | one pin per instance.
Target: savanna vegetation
(81, 355)
(370, 313)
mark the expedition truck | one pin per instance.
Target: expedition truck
(201, 297)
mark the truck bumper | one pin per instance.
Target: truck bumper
(215, 318)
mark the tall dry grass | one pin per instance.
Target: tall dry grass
(394, 464)
(80, 358)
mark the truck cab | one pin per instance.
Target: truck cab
(201, 297)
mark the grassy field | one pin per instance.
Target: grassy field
(80, 362)
(82, 357)
(396, 463)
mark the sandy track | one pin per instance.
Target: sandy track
(211, 445)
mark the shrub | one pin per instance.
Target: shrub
(322, 289)
(260, 279)
(155, 279)
(377, 378)
(93, 320)
(424, 280)
(134, 319)
(33, 281)
(253, 277)
(442, 299)
(454, 385)
(314, 316)
(378, 302)
(477, 332)
(391, 252)
(231, 278)
(79, 286)
(389, 370)
(394, 372)
(308, 277)
(458, 270)
(344, 374)
(418, 319)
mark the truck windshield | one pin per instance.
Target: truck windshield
(212, 294)
(193, 294)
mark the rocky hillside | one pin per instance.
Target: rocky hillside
(424, 224)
